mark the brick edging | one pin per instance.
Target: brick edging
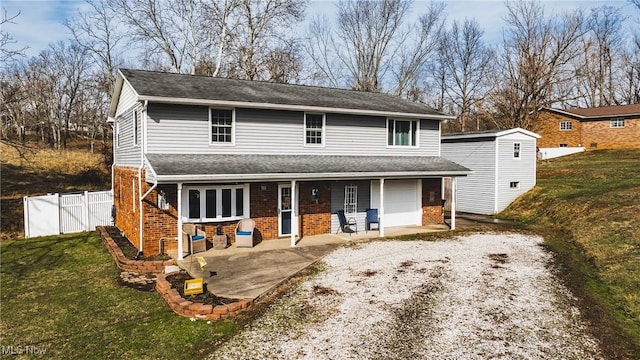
(140, 266)
(184, 307)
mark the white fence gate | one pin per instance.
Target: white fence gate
(66, 213)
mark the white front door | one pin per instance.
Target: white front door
(284, 209)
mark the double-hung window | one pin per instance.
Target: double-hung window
(314, 129)
(351, 200)
(215, 203)
(222, 126)
(617, 123)
(516, 150)
(566, 125)
(402, 132)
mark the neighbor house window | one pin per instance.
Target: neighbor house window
(514, 185)
(136, 128)
(216, 203)
(314, 129)
(516, 150)
(566, 125)
(563, 145)
(402, 132)
(617, 123)
(351, 199)
(222, 124)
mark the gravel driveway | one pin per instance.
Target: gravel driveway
(475, 297)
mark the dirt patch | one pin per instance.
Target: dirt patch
(128, 249)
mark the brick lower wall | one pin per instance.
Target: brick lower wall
(315, 218)
(432, 202)
(599, 135)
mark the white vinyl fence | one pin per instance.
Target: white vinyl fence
(66, 213)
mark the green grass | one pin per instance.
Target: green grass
(587, 206)
(60, 293)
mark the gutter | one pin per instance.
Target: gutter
(144, 110)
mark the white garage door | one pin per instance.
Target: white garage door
(402, 202)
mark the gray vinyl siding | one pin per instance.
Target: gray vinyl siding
(126, 153)
(510, 169)
(476, 192)
(337, 202)
(185, 129)
(127, 99)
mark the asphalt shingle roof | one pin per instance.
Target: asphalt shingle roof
(193, 165)
(604, 111)
(171, 85)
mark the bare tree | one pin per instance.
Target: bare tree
(259, 27)
(534, 62)
(169, 29)
(468, 66)
(373, 47)
(7, 54)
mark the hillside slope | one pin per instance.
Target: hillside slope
(587, 206)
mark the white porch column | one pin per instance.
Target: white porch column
(453, 202)
(294, 214)
(180, 250)
(381, 212)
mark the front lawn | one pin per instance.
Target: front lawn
(60, 294)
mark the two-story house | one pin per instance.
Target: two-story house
(212, 151)
(607, 127)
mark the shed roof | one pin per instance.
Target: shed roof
(197, 89)
(485, 135)
(204, 167)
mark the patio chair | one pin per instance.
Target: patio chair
(346, 224)
(196, 237)
(372, 218)
(244, 233)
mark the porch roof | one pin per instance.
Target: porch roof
(166, 168)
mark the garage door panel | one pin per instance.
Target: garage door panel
(402, 203)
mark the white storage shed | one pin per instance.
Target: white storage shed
(503, 164)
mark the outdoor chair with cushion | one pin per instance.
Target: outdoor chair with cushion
(372, 218)
(244, 233)
(346, 224)
(196, 237)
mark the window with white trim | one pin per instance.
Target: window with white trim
(566, 125)
(617, 123)
(516, 150)
(215, 203)
(514, 185)
(563, 145)
(402, 132)
(221, 123)
(351, 199)
(314, 129)
(136, 127)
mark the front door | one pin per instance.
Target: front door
(284, 210)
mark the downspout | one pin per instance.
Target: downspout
(141, 144)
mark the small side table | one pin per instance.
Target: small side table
(220, 242)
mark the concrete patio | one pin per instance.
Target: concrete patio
(253, 272)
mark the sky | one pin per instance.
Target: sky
(41, 21)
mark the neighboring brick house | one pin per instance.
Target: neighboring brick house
(607, 127)
(212, 151)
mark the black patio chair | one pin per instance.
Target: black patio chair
(346, 224)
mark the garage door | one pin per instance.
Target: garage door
(402, 202)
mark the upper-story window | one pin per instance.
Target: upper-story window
(222, 123)
(402, 132)
(314, 129)
(566, 125)
(617, 123)
(516, 150)
(136, 128)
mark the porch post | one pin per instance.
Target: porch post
(381, 212)
(294, 214)
(453, 202)
(180, 221)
